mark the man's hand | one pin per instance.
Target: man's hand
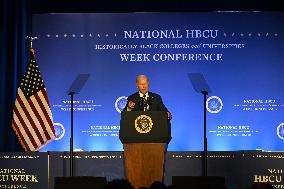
(130, 105)
(169, 115)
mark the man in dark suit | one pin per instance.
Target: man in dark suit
(143, 100)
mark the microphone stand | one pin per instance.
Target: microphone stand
(71, 138)
(204, 158)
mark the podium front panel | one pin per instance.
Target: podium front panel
(144, 127)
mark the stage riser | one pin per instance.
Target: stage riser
(240, 168)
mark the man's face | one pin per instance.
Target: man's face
(142, 84)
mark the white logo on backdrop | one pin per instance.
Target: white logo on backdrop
(120, 103)
(59, 131)
(280, 131)
(214, 104)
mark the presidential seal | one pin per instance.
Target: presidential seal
(143, 124)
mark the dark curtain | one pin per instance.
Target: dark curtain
(15, 26)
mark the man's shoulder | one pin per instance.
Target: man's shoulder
(134, 95)
(155, 95)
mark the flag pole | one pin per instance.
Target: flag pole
(31, 50)
(30, 39)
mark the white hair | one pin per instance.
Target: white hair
(139, 76)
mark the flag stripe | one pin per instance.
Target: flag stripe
(42, 115)
(32, 118)
(44, 98)
(29, 121)
(19, 134)
(24, 130)
(24, 134)
(43, 130)
(42, 103)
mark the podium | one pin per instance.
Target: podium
(145, 136)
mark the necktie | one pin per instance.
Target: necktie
(144, 103)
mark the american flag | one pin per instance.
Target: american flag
(32, 118)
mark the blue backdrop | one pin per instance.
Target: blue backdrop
(240, 55)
